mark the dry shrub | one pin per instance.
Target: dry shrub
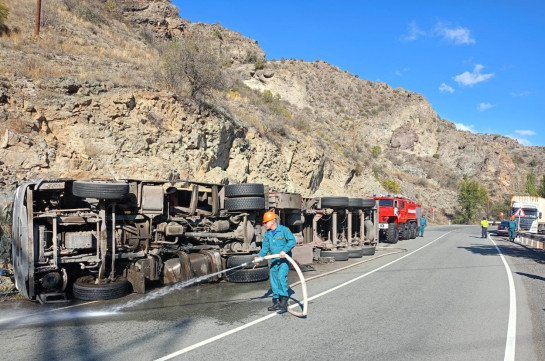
(190, 68)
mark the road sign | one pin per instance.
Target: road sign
(519, 213)
(501, 214)
(432, 210)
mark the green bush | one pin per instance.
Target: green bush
(436, 156)
(375, 151)
(218, 34)
(4, 14)
(391, 186)
(251, 57)
(259, 64)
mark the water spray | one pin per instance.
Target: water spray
(301, 277)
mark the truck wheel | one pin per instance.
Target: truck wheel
(405, 231)
(337, 255)
(86, 289)
(237, 260)
(368, 202)
(248, 275)
(392, 233)
(355, 202)
(100, 190)
(334, 202)
(356, 252)
(245, 204)
(245, 190)
(368, 250)
(413, 230)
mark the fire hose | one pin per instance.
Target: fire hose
(303, 284)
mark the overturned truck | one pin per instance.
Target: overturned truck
(99, 239)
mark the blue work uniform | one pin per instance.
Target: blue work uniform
(423, 224)
(281, 239)
(513, 225)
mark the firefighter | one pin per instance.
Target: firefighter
(423, 224)
(513, 225)
(484, 228)
(278, 240)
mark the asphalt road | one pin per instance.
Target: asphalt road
(444, 296)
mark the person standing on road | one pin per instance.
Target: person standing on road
(513, 225)
(423, 224)
(484, 228)
(278, 240)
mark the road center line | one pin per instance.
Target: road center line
(259, 320)
(512, 322)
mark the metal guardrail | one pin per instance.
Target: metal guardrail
(531, 240)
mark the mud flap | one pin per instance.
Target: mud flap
(137, 280)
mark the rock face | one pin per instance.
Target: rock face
(82, 102)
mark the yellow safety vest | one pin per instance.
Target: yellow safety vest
(484, 223)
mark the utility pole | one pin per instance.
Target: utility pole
(37, 21)
(353, 137)
(487, 207)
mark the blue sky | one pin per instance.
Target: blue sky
(481, 63)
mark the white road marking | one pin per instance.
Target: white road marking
(259, 320)
(512, 322)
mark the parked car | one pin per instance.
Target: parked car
(503, 228)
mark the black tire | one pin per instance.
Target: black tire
(86, 289)
(100, 190)
(248, 275)
(245, 204)
(245, 190)
(356, 252)
(413, 230)
(334, 202)
(392, 233)
(337, 255)
(369, 250)
(355, 202)
(237, 260)
(368, 202)
(405, 232)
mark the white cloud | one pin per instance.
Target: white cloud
(525, 133)
(522, 141)
(413, 32)
(470, 79)
(402, 71)
(458, 36)
(468, 128)
(521, 94)
(444, 88)
(483, 106)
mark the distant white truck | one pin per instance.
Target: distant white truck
(529, 211)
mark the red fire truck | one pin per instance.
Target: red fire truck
(398, 217)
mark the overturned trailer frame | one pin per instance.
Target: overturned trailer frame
(99, 239)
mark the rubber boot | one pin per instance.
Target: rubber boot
(283, 304)
(274, 305)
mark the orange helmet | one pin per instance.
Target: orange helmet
(268, 216)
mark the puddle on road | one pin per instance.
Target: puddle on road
(60, 315)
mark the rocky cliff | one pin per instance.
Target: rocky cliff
(87, 98)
